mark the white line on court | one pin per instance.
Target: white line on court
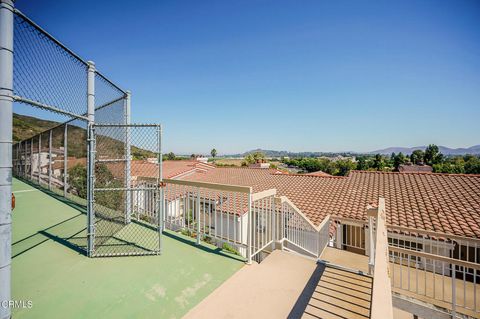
(26, 190)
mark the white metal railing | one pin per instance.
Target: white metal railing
(446, 282)
(209, 212)
(298, 230)
(250, 223)
(262, 222)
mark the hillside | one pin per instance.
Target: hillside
(27, 126)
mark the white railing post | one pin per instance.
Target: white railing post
(371, 241)
(454, 292)
(249, 228)
(90, 157)
(339, 235)
(6, 120)
(197, 215)
(128, 195)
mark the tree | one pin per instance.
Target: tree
(77, 180)
(378, 162)
(398, 160)
(171, 156)
(472, 165)
(213, 152)
(432, 155)
(344, 167)
(362, 163)
(253, 158)
(417, 157)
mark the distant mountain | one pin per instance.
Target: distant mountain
(278, 154)
(443, 149)
(475, 150)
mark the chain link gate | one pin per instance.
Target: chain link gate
(123, 158)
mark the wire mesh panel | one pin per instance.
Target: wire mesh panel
(118, 228)
(45, 72)
(44, 158)
(58, 160)
(35, 143)
(77, 161)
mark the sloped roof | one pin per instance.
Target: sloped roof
(447, 203)
(170, 169)
(318, 173)
(415, 168)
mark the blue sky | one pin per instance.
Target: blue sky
(285, 75)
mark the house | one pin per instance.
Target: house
(412, 168)
(442, 203)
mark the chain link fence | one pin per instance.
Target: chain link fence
(117, 231)
(49, 76)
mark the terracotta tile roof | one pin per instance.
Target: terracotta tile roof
(415, 169)
(318, 173)
(447, 203)
(171, 169)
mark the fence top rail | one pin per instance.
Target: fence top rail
(432, 233)
(448, 260)
(125, 125)
(49, 108)
(215, 186)
(284, 199)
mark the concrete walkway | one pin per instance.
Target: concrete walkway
(266, 290)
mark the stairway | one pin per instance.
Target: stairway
(340, 293)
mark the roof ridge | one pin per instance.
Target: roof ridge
(414, 173)
(307, 175)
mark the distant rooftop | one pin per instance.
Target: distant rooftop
(447, 203)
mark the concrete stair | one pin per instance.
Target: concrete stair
(340, 293)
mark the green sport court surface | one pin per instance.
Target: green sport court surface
(48, 269)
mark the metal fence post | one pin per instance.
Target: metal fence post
(160, 171)
(25, 160)
(65, 161)
(39, 156)
(90, 157)
(31, 159)
(50, 161)
(6, 120)
(128, 197)
(161, 214)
